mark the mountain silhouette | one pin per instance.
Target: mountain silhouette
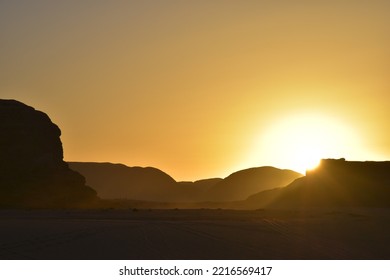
(117, 181)
(198, 190)
(241, 184)
(32, 170)
(335, 183)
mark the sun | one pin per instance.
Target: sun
(306, 157)
(300, 141)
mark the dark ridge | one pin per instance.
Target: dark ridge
(335, 183)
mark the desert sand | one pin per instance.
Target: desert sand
(349, 233)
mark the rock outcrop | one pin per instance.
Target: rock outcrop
(32, 170)
(335, 183)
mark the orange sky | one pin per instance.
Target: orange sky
(203, 88)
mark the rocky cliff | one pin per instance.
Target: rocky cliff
(32, 170)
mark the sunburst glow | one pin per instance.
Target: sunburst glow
(299, 142)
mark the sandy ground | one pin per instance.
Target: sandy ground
(195, 234)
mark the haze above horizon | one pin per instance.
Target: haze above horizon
(201, 89)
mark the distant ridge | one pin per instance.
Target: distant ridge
(112, 181)
(241, 184)
(118, 181)
(199, 190)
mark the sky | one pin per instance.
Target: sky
(200, 88)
